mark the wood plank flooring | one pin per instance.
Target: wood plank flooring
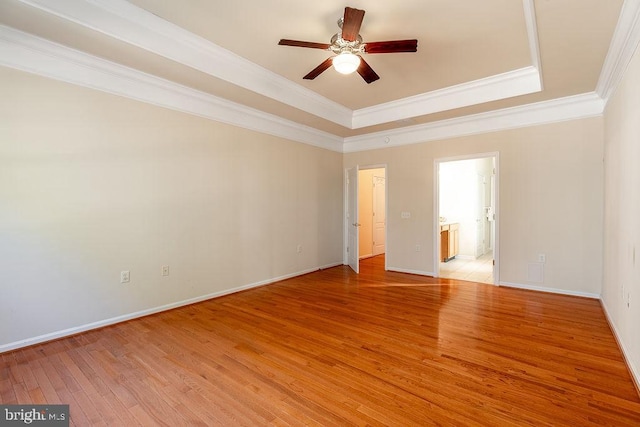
(331, 348)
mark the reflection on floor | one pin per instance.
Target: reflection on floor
(478, 270)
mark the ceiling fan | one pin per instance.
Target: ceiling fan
(348, 46)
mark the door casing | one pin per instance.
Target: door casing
(436, 207)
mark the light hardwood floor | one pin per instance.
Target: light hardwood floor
(331, 348)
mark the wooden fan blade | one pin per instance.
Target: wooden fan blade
(392, 46)
(319, 69)
(298, 43)
(351, 23)
(367, 72)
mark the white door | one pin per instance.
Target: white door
(480, 194)
(379, 215)
(352, 219)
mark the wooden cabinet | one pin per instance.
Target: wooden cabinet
(453, 240)
(449, 241)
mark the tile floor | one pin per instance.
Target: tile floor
(478, 270)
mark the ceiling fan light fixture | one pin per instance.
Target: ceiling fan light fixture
(346, 62)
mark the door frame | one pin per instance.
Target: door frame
(352, 256)
(436, 211)
(346, 224)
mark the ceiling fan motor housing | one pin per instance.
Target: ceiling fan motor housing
(340, 45)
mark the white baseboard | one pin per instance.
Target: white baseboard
(404, 270)
(551, 290)
(106, 322)
(633, 370)
(335, 264)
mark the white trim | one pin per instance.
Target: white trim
(550, 290)
(633, 369)
(623, 44)
(35, 55)
(133, 25)
(532, 33)
(32, 54)
(496, 220)
(118, 319)
(409, 271)
(126, 22)
(345, 220)
(557, 110)
(501, 86)
(436, 210)
(327, 266)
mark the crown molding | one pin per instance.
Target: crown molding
(532, 35)
(624, 43)
(136, 26)
(35, 55)
(557, 110)
(39, 56)
(506, 85)
(133, 25)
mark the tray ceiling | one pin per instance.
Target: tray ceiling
(473, 57)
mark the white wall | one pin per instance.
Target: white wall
(621, 285)
(458, 200)
(550, 201)
(92, 184)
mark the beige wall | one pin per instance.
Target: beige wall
(621, 284)
(550, 201)
(92, 184)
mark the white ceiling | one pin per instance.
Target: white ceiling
(476, 61)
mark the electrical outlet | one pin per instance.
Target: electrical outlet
(299, 249)
(124, 276)
(165, 270)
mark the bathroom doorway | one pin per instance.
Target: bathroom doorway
(466, 218)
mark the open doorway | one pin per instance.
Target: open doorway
(365, 216)
(466, 220)
(372, 212)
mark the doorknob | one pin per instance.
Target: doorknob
(355, 224)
